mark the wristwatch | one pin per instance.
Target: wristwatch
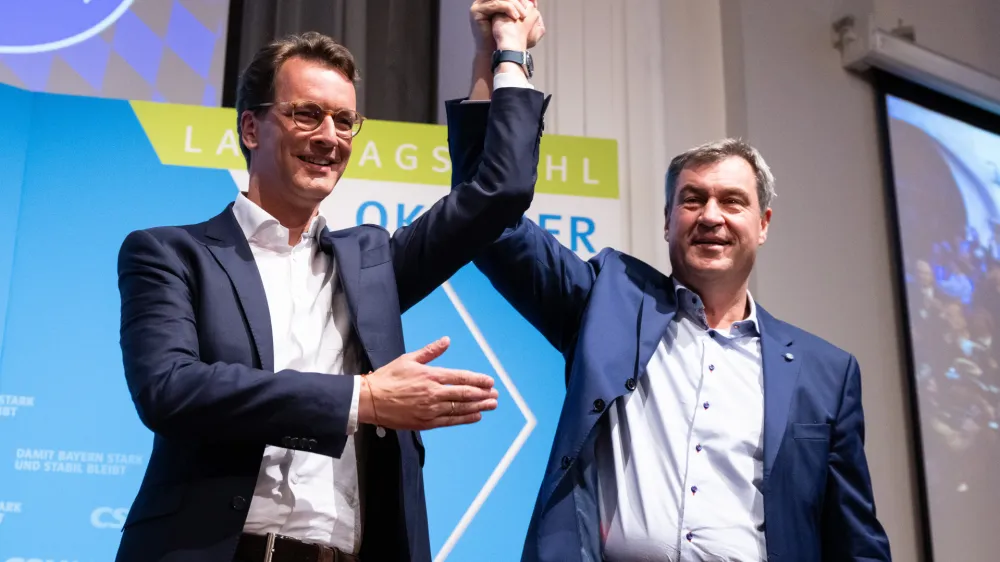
(520, 58)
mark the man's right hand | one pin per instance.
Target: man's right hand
(519, 34)
(410, 394)
(481, 17)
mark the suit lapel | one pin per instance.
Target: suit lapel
(347, 260)
(781, 370)
(657, 310)
(347, 257)
(233, 253)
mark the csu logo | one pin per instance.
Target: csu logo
(108, 517)
(37, 26)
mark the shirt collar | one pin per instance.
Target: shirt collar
(261, 228)
(693, 307)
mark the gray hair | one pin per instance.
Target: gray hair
(717, 151)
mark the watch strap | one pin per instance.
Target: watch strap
(519, 58)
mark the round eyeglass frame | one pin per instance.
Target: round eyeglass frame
(332, 113)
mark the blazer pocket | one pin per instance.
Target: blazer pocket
(376, 256)
(814, 431)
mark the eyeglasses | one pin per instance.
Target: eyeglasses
(309, 115)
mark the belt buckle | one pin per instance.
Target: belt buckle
(269, 547)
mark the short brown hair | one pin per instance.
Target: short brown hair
(256, 85)
(717, 151)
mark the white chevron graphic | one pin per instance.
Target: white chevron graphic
(515, 446)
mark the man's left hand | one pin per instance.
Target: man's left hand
(482, 14)
(519, 35)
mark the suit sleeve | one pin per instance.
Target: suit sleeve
(851, 530)
(177, 395)
(449, 234)
(546, 282)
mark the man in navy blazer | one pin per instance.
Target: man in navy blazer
(696, 426)
(232, 330)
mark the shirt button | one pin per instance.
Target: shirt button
(694, 490)
(711, 367)
(705, 405)
(690, 536)
(698, 447)
(599, 405)
(630, 384)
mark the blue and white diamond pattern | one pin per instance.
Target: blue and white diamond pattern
(158, 50)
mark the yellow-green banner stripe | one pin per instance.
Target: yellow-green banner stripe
(205, 137)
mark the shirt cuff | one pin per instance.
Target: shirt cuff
(511, 80)
(506, 80)
(352, 418)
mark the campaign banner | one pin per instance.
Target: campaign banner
(78, 174)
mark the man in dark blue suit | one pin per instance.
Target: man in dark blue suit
(232, 330)
(696, 426)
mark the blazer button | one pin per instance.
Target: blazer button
(294, 443)
(312, 444)
(286, 442)
(598, 405)
(239, 503)
(566, 461)
(630, 384)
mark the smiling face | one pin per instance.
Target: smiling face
(293, 165)
(714, 224)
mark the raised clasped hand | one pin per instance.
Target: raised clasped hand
(506, 24)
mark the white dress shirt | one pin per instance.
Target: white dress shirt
(680, 462)
(304, 495)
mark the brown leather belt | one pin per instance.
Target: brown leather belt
(277, 548)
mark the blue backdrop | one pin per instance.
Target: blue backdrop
(76, 175)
